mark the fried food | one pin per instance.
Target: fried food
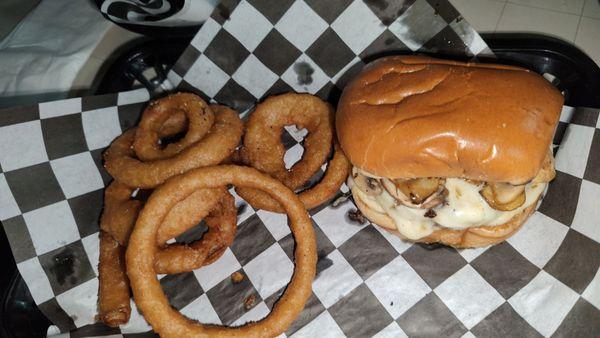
(189, 213)
(147, 291)
(335, 175)
(237, 277)
(120, 212)
(137, 159)
(200, 119)
(217, 145)
(215, 206)
(221, 223)
(448, 152)
(113, 291)
(264, 151)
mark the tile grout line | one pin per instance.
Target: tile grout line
(500, 17)
(543, 8)
(587, 16)
(579, 22)
(577, 29)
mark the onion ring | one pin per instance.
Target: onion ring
(117, 221)
(215, 206)
(113, 286)
(219, 143)
(263, 149)
(176, 123)
(199, 116)
(188, 213)
(221, 223)
(335, 175)
(147, 291)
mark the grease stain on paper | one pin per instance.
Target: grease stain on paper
(304, 72)
(64, 266)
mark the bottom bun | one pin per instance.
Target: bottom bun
(474, 237)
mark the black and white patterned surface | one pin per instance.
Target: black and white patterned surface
(544, 281)
(252, 49)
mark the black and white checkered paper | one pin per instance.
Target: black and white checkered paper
(251, 49)
(543, 281)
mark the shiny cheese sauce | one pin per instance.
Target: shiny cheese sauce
(464, 208)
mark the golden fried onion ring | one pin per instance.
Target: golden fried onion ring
(263, 149)
(217, 145)
(151, 128)
(215, 206)
(221, 223)
(147, 291)
(335, 175)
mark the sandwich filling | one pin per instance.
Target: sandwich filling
(420, 207)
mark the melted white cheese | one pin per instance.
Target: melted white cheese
(464, 208)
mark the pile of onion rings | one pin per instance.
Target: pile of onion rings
(137, 160)
(189, 186)
(263, 150)
(219, 142)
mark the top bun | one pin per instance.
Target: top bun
(414, 116)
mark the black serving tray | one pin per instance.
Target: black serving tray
(573, 72)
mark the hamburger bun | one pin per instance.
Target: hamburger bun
(414, 116)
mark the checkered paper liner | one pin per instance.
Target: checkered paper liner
(542, 281)
(248, 50)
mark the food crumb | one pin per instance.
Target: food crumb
(357, 216)
(237, 277)
(249, 301)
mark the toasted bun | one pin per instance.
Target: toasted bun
(411, 116)
(466, 238)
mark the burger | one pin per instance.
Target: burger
(448, 152)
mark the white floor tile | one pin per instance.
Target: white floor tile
(483, 15)
(592, 9)
(518, 18)
(588, 37)
(566, 6)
